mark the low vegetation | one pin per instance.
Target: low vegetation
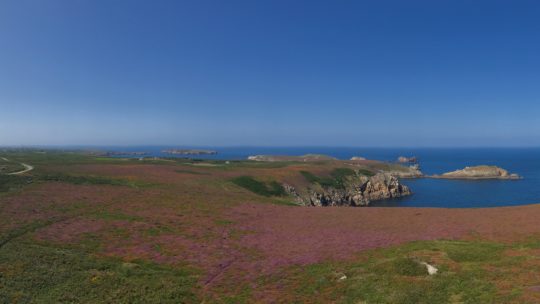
(268, 189)
(337, 177)
(199, 240)
(89, 180)
(12, 182)
(469, 272)
(10, 167)
(39, 273)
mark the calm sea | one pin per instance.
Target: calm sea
(427, 192)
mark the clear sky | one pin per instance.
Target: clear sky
(324, 73)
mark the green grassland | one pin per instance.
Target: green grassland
(271, 188)
(337, 177)
(469, 272)
(33, 272)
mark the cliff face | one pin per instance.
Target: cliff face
(479, 172)
(357, 191)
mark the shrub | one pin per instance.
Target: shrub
(90, 180)
(265, 189)
(9, 182)
(337, 177)
(365, 172)
(409, 267)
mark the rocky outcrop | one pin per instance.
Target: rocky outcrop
(479, 172)
(359, 190)
(403, 159)
(358, 158)
(290, 190)
(406, 172)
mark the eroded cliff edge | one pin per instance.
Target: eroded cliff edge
(355, 189)
(320, 180)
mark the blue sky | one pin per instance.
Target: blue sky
(325, 73)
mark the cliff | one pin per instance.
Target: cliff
(354, 190)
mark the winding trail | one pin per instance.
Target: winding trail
(27, 167)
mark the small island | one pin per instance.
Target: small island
(189, 151)
(479, 172)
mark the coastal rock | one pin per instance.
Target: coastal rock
(292, 192)
(358, 158)
(407, 172)
(403, 159)
(402, 171)
(479, 172)
(358, 191)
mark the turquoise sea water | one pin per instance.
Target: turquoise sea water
(427, 192)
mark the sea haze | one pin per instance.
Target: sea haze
(427, 192)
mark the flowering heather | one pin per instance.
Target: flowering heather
(195, 216)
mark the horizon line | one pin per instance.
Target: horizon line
(54, 146)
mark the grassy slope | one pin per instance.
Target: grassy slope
(81, 270)
(469, 272)
(40, 273)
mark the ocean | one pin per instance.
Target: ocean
(426, 192)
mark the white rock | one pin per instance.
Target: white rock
(430, 269)
(358, 158)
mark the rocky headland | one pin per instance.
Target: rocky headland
(479, 172)
(355, 190)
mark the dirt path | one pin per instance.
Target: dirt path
(27, 168)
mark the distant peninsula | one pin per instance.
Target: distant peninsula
(302, 158)
(189, 151)
(120, 153)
